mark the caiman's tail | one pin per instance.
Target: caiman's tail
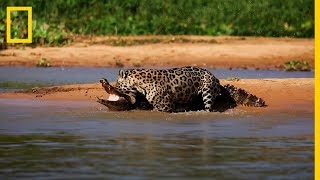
(243, 97)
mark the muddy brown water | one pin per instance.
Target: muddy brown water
(80, 139)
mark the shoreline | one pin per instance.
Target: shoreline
(295, 95)
(205, 51)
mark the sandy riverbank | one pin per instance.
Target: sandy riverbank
(281, 95)
(218, 52)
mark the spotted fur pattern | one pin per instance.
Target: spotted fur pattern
(165, 88)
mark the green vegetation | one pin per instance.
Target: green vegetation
(233, 79)
(20, 85)
(53, 34)
(43, 62)
(54, 21)
(296, 65)
(125, 41)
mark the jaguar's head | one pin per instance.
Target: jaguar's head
(126, 84)
(124, 81)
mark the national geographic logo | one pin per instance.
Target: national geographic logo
(19, 8)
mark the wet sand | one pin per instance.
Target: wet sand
(281, 95)
(207, 51)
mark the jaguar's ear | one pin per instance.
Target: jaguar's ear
(123, 73)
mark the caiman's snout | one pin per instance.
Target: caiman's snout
(115, 94)
(104, 81)
(116, 100)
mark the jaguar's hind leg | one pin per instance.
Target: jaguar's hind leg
(209, 94)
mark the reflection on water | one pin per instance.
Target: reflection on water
(55, 139)
(130, 155)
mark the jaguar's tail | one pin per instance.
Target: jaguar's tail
(243, 97)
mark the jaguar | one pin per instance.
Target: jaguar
(169, 90)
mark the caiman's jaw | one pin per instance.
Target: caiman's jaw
(117, 100)
(113, 97)
(114, 94)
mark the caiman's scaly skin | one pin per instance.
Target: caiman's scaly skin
(125, 102)
(174, 90)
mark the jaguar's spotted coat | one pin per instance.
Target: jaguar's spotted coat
(165, 89)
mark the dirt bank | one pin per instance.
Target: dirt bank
(281, 95)
(219, 52)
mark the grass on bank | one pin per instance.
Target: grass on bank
(20, 85)
(43, 62)
(296, 65)
(54, 22)
(122, 41)
(234, 79)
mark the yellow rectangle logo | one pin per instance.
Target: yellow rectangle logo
(19, 8)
